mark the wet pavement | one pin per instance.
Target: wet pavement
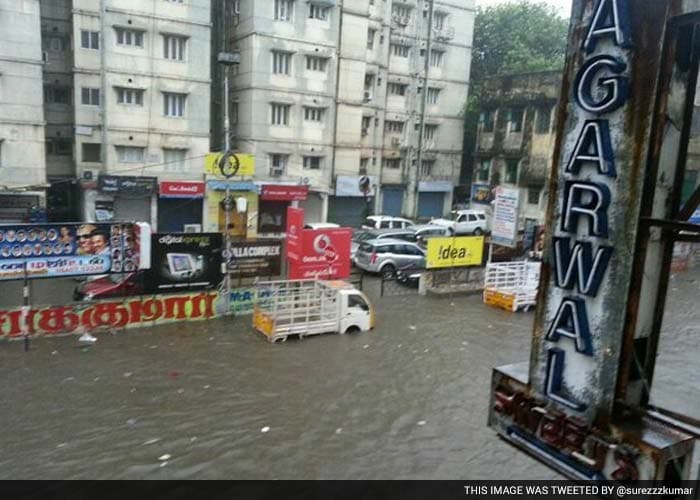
(216, 401)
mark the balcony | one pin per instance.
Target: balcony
(444, 34)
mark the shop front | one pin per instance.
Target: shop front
(180, 206)
(122, 198)
(432, 197)
(392, 200)
(18, 208)
(353, 200)
(274, 200)
(243, 208)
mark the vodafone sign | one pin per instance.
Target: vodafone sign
(184, 189)
(316, 253)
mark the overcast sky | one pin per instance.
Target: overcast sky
(564, 6)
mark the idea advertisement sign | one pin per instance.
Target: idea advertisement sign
(316, 253)
(185, 261)
(59, 250)
(505, 217)
(454, 252)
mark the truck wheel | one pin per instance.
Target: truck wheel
(352, 329)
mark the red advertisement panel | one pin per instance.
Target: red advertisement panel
(325, 254)
(295, 229)
(272, 192)
(185, 189)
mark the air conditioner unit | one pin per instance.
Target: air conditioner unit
(404, 20)
(305, 181)
(276, 171)
(395, 141)
(368, 96)
(365, 131)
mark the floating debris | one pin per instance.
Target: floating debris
(265, 429)
(164, 457)
(128, 374)
(422, 422)
(151, 441)
(339, 430)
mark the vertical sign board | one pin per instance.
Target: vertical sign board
(504, 229)
(563, 411)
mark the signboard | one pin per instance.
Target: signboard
(185, 189)
(275, 192)
(316, 253)
(136, 312)
(241, 164)
(355, 186)
(142, 187)
(504, 230)
(481, 193)
(256, 258)
(59, 250)
(454, 252)
(190, 261)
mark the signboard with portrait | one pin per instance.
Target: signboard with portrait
(481, 193)
(185, 261)
(59, 250)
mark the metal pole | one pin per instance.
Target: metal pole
(25, 309)
(227, 200)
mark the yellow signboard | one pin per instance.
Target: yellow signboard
(238, 165)
(453, 252)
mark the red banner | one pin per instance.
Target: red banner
(272, 192)
(186, 189)
(295, 228)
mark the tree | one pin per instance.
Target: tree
(515, 37)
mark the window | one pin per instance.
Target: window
(394, 127)
(366, 122)
(130, 37)
(91, 152)
(54, 43)
(487, 121)
(133, 97)
(278, 164)
(370, 38)
(90, 96)
(284, 10)
(0, 153)
(364, 163)
(533, 195)
(55, 94)
(319, 12)
(544, 120)
(280, 114)
(281, 62)
(313, 114)
(392, 162)
(59, 147)
(174, 160)
(174, 104)
(433, 95)
(429, 132)
(515, 120)
(174, 47)
(130, 154)
(312, 162)
(484, 171)
(314, 63)
(439, 20)
(401, 10)
(358, 302)
(426, 167)
(512, 171)
(436, 58)
(90, 39)
(399, 50)
(397, 88)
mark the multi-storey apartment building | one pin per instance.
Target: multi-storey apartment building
(127, 91)
(515, 140)
(22, 163)
(327, 92)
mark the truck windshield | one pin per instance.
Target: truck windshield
(357, 301)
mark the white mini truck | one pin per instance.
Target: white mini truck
(310, 307)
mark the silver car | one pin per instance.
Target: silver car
(385, 256)
(378, 234)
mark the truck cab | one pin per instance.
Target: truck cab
(356, 314)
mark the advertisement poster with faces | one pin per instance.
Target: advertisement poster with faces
(57, 250)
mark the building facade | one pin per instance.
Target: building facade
(22, 162)
(515, 141)
(329, 92)
(126, 94)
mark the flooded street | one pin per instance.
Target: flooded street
(215, 400)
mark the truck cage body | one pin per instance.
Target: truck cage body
(297, 307)
(512, 285)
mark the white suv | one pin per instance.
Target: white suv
(464, 222)
(386, 222)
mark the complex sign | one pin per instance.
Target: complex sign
(134, 312)
(238, 165)
(455, 252)
(190, 261)
(252, 258)
(504, 229)
(565, 412)
(316, 253)
(58, 250)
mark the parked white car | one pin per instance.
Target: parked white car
(464, 222)
(386, 222)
